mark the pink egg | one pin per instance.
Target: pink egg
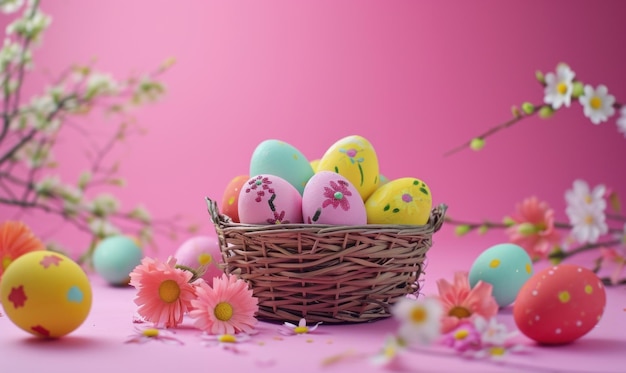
(559, 304)
(329, 198)
(201, 250)
(269, 199)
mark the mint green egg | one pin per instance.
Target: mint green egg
(278, 158)
(115, 257)
(506, 267)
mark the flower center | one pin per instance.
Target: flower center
(169, 291)
(258, 182)
(460, 312)
(301, 329)
(406, 197)
(561, 88)
(227, 338)
(461, 334)
(150, 333)
(595, 102)
(589, 219)
(338, 195)
(418, 315)
(223, 311)
(204, 259)
(497, 351)
(5, 262)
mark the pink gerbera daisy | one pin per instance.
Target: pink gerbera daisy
(164, 292)
(226, 308)
(534, 228)
(461, 302)
(16, 239)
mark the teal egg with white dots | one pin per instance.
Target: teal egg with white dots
(506, 267)
(115, 257)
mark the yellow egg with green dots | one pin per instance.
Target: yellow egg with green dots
(400, 201)
(46, 294)
(506, 267)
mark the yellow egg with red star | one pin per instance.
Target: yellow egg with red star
(46, 294)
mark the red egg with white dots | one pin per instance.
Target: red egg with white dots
(559, 304)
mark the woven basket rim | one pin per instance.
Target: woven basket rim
(435, 221)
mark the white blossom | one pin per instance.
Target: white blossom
(10, 6)
(559, 87)
(588, 223)
(103, 228)
(99, 83)
(621, 121)
(420, 319)
(597, 103)
(104, 204)
(582, 195)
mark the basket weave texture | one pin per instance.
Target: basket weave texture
(326, 273)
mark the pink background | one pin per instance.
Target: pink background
(416, 78)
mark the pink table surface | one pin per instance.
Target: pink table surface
(98, 344)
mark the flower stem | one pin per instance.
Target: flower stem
(494, 130)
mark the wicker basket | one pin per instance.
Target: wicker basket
(332, 274)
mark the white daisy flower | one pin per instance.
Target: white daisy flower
(492, 332)
(392, 348)
(559, 87)
(621, 122)
(588, 223)
(582, 195)
(597, 103)
(420, 319)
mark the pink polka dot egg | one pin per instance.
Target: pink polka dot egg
(559, 304)
(200, 251)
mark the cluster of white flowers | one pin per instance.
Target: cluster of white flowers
(598, 105)
(585, 209)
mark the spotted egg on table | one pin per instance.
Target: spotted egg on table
(46, 294)
(559, 304)
(269, 199)
(506, 267)
(354, 158)
(276, 157)
(329, 198)
(400, 201)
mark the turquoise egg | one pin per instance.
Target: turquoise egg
(115, 257)
(506, 267)
(278, 158)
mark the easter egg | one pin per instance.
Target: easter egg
(115, 257)
(269, 199)
(230, 198)
(330, 198)
(354, 158)
(314, 164)
(46, 294)
(275, 157)
(506, 267)
(559, 304)
(400, 201)
(200, 251)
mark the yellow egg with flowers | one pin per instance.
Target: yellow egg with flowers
(401, 201)
(354, 158)
(46, 294)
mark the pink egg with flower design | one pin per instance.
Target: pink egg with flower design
(559, 304)
(329, 198)
(269, 199)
